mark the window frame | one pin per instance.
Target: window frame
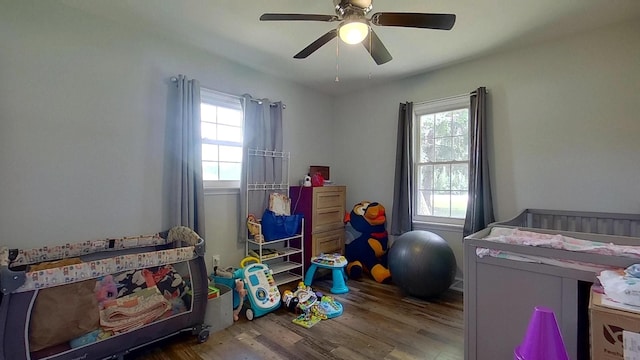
(215, 98)
(432, 107)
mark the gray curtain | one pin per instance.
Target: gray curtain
(402, 210)
(262, 131)
(479, 205)
(187, 197)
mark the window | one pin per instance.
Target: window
(441, 160)
(221, 120)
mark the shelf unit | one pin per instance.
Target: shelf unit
(283, 256)
(284, 262)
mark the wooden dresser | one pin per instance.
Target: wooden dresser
(323, 209)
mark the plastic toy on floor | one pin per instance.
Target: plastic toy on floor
(262, 292)
(311, 306)
(334, 262)
(253, 282)
(328, 307)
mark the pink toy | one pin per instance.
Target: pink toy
(106, 289)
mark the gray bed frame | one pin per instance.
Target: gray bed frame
(500, 294)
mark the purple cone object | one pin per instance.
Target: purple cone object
(542, 340)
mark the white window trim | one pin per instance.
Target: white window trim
(446, 104)
(220, 99)
(429, 107)
(221, 184)
(429, 226)
(212, 191)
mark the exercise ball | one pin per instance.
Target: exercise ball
(422, 264)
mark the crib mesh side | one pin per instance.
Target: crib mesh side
(578, 221)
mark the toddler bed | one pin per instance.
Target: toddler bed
(102, 298)
(540, 257)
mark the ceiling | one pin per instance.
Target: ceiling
(231, 29)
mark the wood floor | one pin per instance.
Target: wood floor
(378, 322)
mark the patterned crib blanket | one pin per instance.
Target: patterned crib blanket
(181, 236)
(554, 241)
(134, 310)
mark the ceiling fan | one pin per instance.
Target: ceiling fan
(355, 28)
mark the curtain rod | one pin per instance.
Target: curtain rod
(474, 92)
(259, 101)
(449, 97)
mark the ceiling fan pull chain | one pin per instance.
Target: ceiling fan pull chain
(369, 39)
(337, 61)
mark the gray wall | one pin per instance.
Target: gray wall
(563, 126)
(84, 104)
(83, 108)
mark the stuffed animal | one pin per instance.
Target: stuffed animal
(366, 241)
(254, 228)
(242, 292)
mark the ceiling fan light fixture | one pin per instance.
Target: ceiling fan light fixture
(355, 27)
(353, 31)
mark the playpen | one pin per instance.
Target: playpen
(50, 308)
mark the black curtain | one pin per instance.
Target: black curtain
(479, 205)
(402, 210)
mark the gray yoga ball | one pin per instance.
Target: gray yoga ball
(422, 264)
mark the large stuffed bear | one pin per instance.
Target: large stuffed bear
(366, 241)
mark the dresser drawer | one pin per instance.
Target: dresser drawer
(323, 208)
(327, 219)
(329, 197)
(328, 208)
(328, 242)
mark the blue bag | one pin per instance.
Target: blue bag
(276, 227)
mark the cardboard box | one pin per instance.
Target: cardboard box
(607, 321)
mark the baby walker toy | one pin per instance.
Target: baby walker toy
(262, 292)
(253, 282)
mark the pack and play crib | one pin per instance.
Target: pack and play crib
(102, 298)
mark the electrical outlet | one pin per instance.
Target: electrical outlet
(216, 260)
